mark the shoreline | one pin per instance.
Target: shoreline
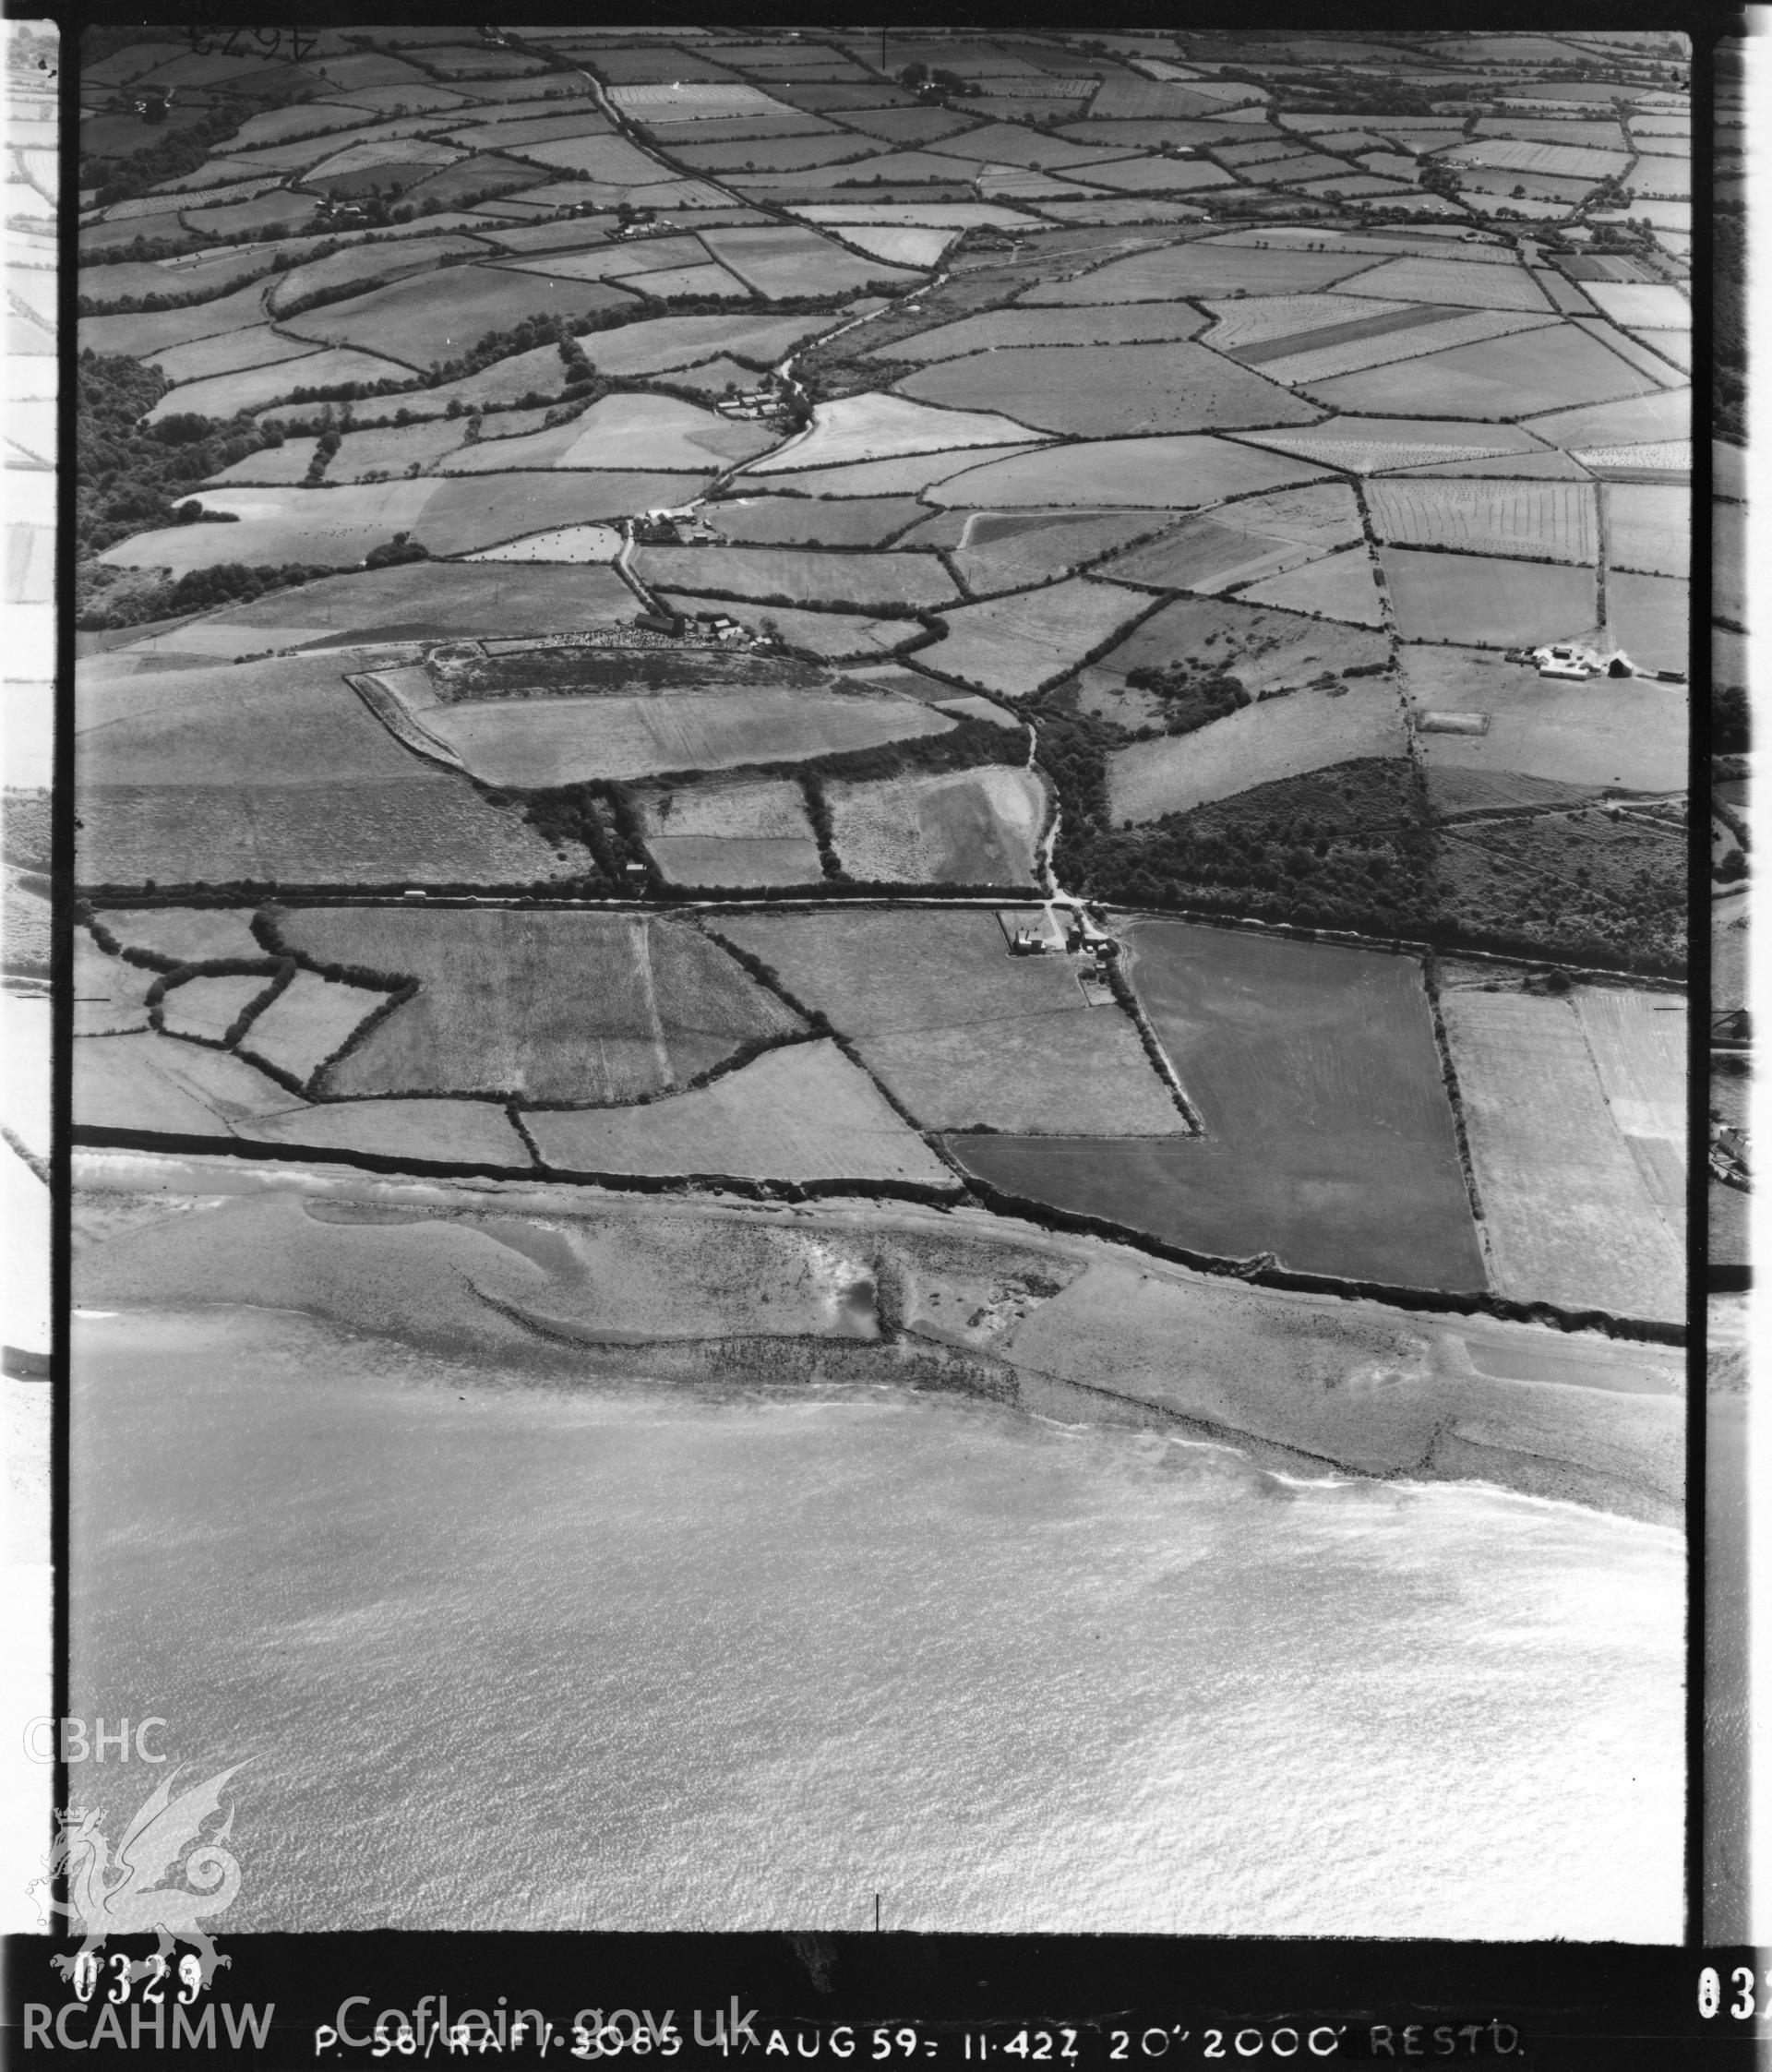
(707, 1289)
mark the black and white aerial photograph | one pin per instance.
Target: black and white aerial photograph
(879, 915)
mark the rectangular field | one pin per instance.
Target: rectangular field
(1648, 528)
(569, 1007)
(971, 827)
(801, 1112)
(1278, 738)
(1648, 616)
(1328, 1140)
(753, 833)
(1477, 601)
(866, 580)
(1568, 1215)
(961, 1033)
(1554, 520)
(785, 260)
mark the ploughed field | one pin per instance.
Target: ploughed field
(1328, 1136)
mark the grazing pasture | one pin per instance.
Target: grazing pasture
(1411, 332)
(182, 934)
(898, 244)
(1539, 519)
(109, 995)
(1268, 651)
(750, 832)
(781, 259)
(1242, 542)
(1200, 270)
(1649, 618)
(1260, 328)
(869, 580)
(419, 1132)
(1523, 155)
(1648, 528)
(1176, 473)
(207, 1008)
(149, 1082)
(960, 1032)
(1014, 644)
(1626, 734)
(149, 331)
(1372, 444)
(438, 316)
(1659, 417)
(1011, 550)
(226, 395)
(1328, 1140)
(1476, 284)
(1647, 306)
(1479, 601)
(1339, 586)
(801, 1112)
(1257, 744)
(572, 1008)
(968, 827)
(1567, 1214)
(307, 1022)
(1508, 376)
(375, 261)
(275, 772)
(234, 352)
(902, 477)
(623, 431)
(532, 742)
(676, 341)
(870, 427)
(801, 521)
(1128, 388)
(1120, 324)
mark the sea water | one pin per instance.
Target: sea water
(500, 1655)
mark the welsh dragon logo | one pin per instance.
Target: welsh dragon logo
(121, 1895)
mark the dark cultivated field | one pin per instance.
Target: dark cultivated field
(1329, 1140)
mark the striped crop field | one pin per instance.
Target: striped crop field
(1477, 287)
(1554, 520)
(1252, 328)
(1574, 162)
(1435, 331)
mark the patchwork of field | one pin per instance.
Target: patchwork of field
(1277, 737)
(1498, 377)
(996, 551)
(1478, 601)
(750, 832)
(1328, 1140)
(247, 775)
(1176, 473)
(877, 426)
(1128, 389)
(561, 1008)
(1117, 324)
(336, 528)
(1201, 271)
(1242, 542)
(801, 1112)
(960, 1032)
(1379, 445)
(1557, 520)
(1012, 645)
(1267, 651)
(974, 826)
(877, 582)
(1568, 1212)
